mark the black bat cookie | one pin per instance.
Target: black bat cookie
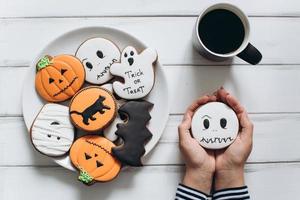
(134, 132)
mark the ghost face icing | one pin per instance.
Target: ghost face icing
(97, 56)
(137, 72)
(215, 125)
(52, 132)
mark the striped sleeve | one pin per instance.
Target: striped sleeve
(239, 193)
(187, 193)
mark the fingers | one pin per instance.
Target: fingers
(222, 94)
(247, 127)
(234, 104)
(183, 128)
(199, 102)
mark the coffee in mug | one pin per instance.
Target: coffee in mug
(222, 31)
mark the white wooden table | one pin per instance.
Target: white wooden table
(270, 92)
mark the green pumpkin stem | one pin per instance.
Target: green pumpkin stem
(44, 62)
(85, 177)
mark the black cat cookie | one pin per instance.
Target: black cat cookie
(134, 132)
(93, 108)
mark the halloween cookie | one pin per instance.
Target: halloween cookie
(91, 155)
(134, 132)
(137, 72)
(97, 55)
(59, 78)
(93, 108)
(110, 131)
(215, 125)
(52, 133)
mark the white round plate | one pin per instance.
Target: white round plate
(68, 44)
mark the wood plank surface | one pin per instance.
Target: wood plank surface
(268, 181)
(22, 39)
(262, 89)
(71, 8)
(276, 139)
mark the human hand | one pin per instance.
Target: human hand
(230, 161)
(200, 163)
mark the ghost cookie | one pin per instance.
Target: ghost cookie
(137, 72)
(52, 133)
(59, 78)
(134, 132)
(91, 155)
(215, 125)
(93, 108)
(97, 56)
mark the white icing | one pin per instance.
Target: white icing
(215, 136)
(137, 71)
(109, 132)
(87, 53)
(56, 139)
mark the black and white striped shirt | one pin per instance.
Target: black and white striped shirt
(187, 193)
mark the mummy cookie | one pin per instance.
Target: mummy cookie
(134, 132)
(91, 155)
(215, 125)
(97, 56)
(137, 72)
(93, 108)
(52, 133)
(59, 78)
(110, 131)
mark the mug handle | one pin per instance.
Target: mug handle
(250, 54)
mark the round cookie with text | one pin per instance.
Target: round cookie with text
(97, 56)
(93, 108)
(215, 125)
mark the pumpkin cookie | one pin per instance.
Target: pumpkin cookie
(52, 133)
(91, 155)
(59, 78)
(93, 108)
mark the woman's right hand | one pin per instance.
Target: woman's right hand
(230, 161)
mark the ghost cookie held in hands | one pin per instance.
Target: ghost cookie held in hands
(215, 125)
(52, 133)
(137, 72)
(97, 56)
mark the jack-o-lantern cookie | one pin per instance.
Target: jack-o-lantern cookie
(91, 155)
(134, 132)
(93, 108)
(137, 72)
(59, 78)
(215, 125)
(52, 133)
(97, 56)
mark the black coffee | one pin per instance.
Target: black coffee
(221, 31)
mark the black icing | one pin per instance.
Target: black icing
(223, 123)
(134, 132)
(90, 111)
(206, 123)
(89, 65)
(100, 54)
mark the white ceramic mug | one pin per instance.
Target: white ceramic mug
(246, 51)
